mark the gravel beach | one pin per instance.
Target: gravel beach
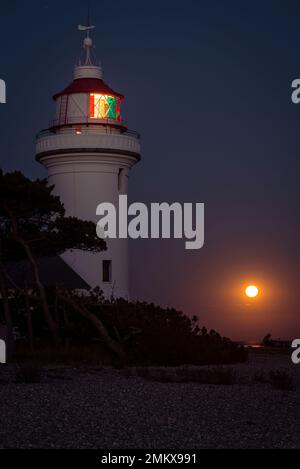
(111, 409)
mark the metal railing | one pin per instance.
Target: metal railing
(85, 120)
(78, 131)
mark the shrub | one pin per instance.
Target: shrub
(28, 374)
(154, 336)
(225, 376)
(150, 335)
(260, 377)
(281, 380)
(215, 376)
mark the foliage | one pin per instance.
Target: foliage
(277, 378)
(157, 336)
(30, 212)
(28, 374)
(218, 375)
(150, 335)
(260, 377)
(281, 380)
(266, 340)
(32, 224)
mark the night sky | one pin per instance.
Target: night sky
(208, 85)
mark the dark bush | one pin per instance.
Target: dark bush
(28, 374)
(150, 335)
(260, 377)
(154, 336)
(281, 380)
(216, 375)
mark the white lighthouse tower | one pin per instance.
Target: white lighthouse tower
(88, 152)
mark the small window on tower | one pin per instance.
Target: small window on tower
(103, 106)
(106, 266)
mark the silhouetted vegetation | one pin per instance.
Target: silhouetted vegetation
(215, 376)
(33, 225)
(130, 333)
(266, 340)
(28, 374)
(281, 380)
(269, 342)
(260, 377)
(277, 378)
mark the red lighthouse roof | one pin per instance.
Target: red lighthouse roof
(88, 85)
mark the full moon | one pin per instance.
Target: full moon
(252, 291)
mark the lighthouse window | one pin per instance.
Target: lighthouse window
(104, 107)
(106, 266)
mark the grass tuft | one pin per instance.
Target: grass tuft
(215, 376)
(28, 374)
(281, 380)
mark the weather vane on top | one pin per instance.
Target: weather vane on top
(89, 27)
(86, 28)
(88, 42)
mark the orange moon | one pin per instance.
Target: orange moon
(251, 291)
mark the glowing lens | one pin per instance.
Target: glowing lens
(104, 107)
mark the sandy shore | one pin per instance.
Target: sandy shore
(110, 409)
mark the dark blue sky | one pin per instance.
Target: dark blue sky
(207, 84)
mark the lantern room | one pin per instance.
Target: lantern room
(88, 100)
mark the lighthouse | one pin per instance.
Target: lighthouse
(88, 152)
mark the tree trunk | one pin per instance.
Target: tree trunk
(29, 321)
(42, 292)
(111, 344)
(48, 317)
(43, 297)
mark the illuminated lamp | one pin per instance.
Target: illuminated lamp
(103, 106)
